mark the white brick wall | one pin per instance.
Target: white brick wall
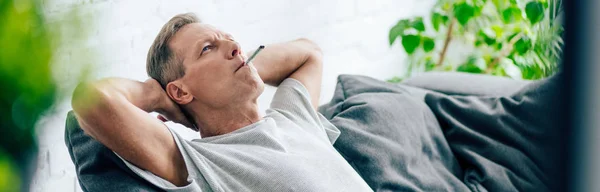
(352, 34)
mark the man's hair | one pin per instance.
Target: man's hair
(162, 63)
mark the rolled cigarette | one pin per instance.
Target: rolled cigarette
(254, 54)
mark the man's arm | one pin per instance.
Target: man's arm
(299, 59)
(114, 111)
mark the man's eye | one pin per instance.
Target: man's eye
(206, 48)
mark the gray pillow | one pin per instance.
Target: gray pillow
(391, 138)
(458, 83)
(507, 143)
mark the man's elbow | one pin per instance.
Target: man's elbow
(79, 98)
(313, 51)
(314, 47)
(87, 99)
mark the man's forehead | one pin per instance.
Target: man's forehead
(191, 33)
(199, 27)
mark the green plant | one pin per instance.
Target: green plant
(515, 38)
(28, 87)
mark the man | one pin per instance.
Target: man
(199, 79)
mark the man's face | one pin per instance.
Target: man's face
(214, 70)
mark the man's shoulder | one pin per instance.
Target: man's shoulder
(291, 95)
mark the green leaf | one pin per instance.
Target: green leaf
(545, 3)
(411, 42)
(418, 24)
(531, 72)
(511, 15)
(529, 68)
(510, 69)
(480, 63)
(498, 30)
(478, 42)
(463, 12)
(398, 30)
(428, 44)
(522, 45)
(447, 68)
(473, 65)
(477, 10)
(469, 68)
(498, 71)
(10, 171)
(436, 21)
(395, 79)
(429, 65)
(501, 4)
(534, 11)
(446, 5)
(498, 46)
(512, 36)
(487, 35)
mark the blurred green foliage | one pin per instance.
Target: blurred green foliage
(516, 38)
(28, 87)
(9, 174)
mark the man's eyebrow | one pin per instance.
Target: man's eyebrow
(225, 34)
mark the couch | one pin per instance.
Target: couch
(438, 131)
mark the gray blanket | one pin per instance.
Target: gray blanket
(399, 141)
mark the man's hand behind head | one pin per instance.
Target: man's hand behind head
(168, 109)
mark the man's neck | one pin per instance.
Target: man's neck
(213, 122)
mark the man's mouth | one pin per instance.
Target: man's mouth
(239, 67)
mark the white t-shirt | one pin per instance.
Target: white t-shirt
(289, 150)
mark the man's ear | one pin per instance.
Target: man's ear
(178, 93)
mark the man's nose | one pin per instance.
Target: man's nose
(234, 51)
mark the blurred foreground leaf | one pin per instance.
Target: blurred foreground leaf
(25, 73)
(9, 181)
(28, 86)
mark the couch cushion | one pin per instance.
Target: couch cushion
(506, 143)
(457, 83)
(391, 138)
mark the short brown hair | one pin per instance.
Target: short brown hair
(162, 63)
